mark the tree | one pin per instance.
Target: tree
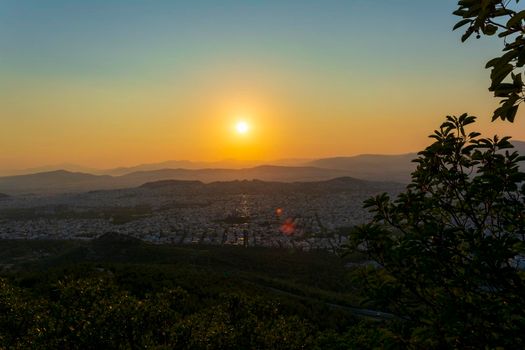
(452, 244)
(490, 17)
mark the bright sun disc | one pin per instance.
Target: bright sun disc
(242, 127)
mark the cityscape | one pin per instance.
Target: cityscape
(175, 214)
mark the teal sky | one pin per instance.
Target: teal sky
(106, 82)
(127, 40)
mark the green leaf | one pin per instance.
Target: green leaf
(498, 74)
(461, 23)
(467, 34)
(515, 21)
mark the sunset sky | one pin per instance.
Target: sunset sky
(107, 83)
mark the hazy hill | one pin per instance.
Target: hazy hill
(54, 182)
(190, 165)
(264, 172)
(338, 185)
(3, 196)
(162, 184)
(372, 167)
(64, 181)
(382, 167)
(182, 164)
(519, 146)
(395, 168)
(170, 164)
(74, 168)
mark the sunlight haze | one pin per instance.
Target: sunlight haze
(112, 83)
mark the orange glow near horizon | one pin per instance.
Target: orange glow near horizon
(126, 126)
(95, 86)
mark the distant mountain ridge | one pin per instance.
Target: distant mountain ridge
(376, 167)
(191, 165)
(63, 181)
(519, 146)
(74, 168)
(179, 164)
(340, 184)
(52, 181)
(395, 168)
(390, 168)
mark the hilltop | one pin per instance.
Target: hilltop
(64, 181)
(337, 185)
(372, 167)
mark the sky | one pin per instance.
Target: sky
(106, 83)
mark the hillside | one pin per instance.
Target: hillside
(54, 182)
(390, 168)
(180, 164)
(372, 167)
(519, 146)
(377, 167)
(337, 185)
(64, 181)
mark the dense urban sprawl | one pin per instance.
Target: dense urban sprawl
(304, 221)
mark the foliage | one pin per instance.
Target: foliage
(452, 244)
(94, 313)
(17, 320)
(490, 17)
(85, 295)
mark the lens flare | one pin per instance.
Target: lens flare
(288, 228)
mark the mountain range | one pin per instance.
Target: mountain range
(169, 164)
(389, 168)
(64, 181)
(336, 185)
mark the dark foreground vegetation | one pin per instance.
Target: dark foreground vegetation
(452, 246)
(117, 292)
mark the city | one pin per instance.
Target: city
(301, 220)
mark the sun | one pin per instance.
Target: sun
(242, 127)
